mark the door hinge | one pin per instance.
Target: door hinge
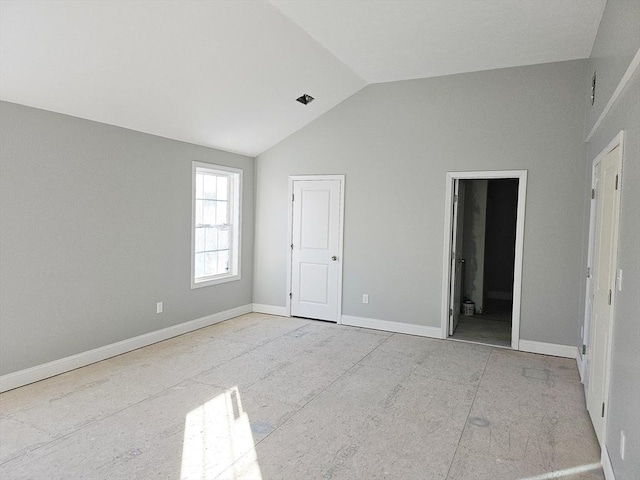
(593, 193)
(455, 197)
(451, 312)
(293, 197)
(588, 272)
(602, 415)
(292, 246)
(609, 296)
(584, 349)
(290, 295)
(616, 181)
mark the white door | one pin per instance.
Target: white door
(316, 266)
(606, 240)
(456, 256)
(593, 223)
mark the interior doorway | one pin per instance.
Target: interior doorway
(483, 255)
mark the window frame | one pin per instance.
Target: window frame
(235, 222)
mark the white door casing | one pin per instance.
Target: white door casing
(604, 275)
(316, 247)
(456, 255)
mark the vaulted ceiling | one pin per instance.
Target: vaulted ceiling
(226, 74)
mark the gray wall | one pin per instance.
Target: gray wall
(617, 42)
(616, 39)
(473, 241)
(394, 142)
(94, 230)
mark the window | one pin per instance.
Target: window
(215, 245)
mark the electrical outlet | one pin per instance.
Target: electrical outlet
(619, 279)
(159, 307)
(623, 440)
(365, 298)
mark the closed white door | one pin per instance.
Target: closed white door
(456, 256)
(593, 223)
(316, 263)
(606, 240)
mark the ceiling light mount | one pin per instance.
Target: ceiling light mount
(305, 99)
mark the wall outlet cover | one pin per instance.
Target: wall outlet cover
(619, 279)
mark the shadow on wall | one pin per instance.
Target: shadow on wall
(489, 240)
(500, 245)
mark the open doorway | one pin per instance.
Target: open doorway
(483, 253)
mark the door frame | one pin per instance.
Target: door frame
(593, 222)
(451, 178)
(301, 178)
(457, 220)
(585, 363)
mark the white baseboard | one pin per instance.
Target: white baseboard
(40, 372)
(554, 349)
(606, 464)
(395, 327)
(270, 309)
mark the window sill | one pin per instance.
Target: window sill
(214, 281)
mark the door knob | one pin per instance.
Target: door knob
(334, 258)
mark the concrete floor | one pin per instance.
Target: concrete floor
(492, 327)
(261, 397)
(481, 330)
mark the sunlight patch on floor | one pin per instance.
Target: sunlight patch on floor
(566, 472)
(216, 435)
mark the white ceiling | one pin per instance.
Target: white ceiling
(226, 74)
(384, 41)
(221, 74)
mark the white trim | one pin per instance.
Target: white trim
(271, 309)
(288, 247)
(389, 326)
(607, 467)
(236, 176)
(40, 372)
(446, 257)
(517, 271)
(292, 179)
(451, 177)
(616, 93)
(554, 349)
(617, 140)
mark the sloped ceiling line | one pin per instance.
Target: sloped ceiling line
(226, 74)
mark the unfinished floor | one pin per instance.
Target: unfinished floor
(262, 397)
(480, 330)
